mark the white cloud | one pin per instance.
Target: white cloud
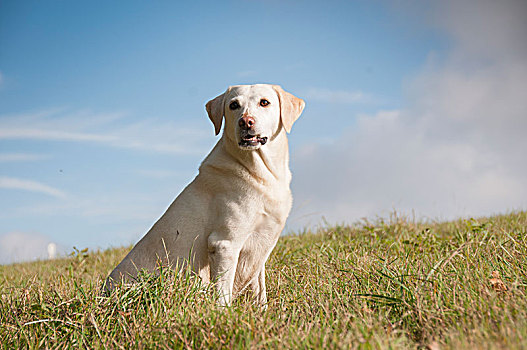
(52, 135)
(336, 96)
(99, 220)
(117, 207)
(458, 146)
(22, 157)
(113, 130)
(485, 27)
(32, 186)
(24, 246)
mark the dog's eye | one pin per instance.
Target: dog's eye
(264, 102)
(234, 105)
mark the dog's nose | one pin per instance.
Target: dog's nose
(246, 123)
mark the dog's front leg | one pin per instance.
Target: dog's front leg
(223, 259)
(258, 288)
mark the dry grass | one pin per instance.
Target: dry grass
(388, 284)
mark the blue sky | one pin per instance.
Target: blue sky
(411, 106)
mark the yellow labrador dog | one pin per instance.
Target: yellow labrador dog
(227, 221)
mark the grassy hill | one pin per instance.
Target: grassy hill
(384, 284)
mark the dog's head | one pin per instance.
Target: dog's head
(254, 113)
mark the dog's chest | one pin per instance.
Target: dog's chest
(275, 207)
(263, 236)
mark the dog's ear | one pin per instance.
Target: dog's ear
(290, 107)
(215, 108)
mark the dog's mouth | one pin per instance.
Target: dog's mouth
(252, 140)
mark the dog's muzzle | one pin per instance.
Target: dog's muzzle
(247, 134)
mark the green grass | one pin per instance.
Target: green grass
(384, 284)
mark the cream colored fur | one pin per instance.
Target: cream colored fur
(227, 221)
